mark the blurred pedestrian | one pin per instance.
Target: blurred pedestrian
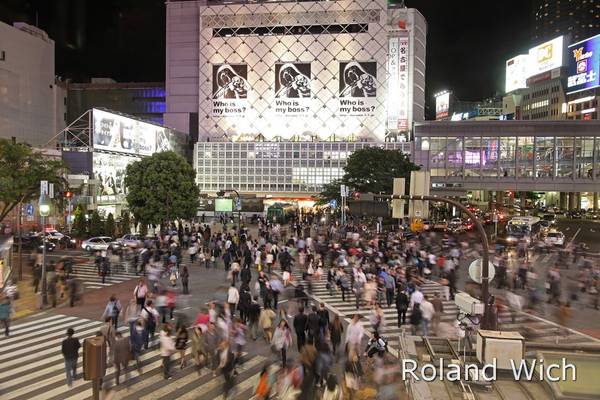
(300, 326)
(282, 340)
(266, 319)
(335, 333)
(5, 311)
(113, 309)
(199, 351)
(181, 339)
(121, 355)
(70, 351)
(167, 348)
(185, 279)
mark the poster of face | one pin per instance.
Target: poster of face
(109, 170)
(116, 132)
(230, 89)
(358, 88)
(292, 89)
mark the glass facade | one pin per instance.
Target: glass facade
(275, 167)
(544, 157)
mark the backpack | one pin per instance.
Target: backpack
(151, 321)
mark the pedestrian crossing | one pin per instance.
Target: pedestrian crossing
(87, 273)
(531, 327)
(33, 367)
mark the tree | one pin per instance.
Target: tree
(373, 169)
(161, 188)
(109, 225)
(96, 226)
(21, 170)
(79, 222)
(125, 223)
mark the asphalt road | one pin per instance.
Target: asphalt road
(586, 231)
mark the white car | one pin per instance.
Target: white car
(99, 243)
(131, 240)
(555, 238)
(54, 235)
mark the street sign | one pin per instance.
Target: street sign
(43, 187)
(51, 190)
(495, 218)
(238, 204)
(475, 271)
(29, 209)
(333, 203)
(343, 191)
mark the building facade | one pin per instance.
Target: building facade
(294, 70)
(275, 168)
(551, 18)
(544, 97)
(560, 159)
(32, 105)
(143, 100)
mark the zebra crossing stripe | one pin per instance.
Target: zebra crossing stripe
(32, 330)
(165, 390)
(51, 333)
(29, 326)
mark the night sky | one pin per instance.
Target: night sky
(468, 42)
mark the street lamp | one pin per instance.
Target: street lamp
(44, 206)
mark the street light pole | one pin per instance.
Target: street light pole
(44, 206)
(486, 322)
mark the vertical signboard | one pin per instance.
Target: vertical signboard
(393, 83)
(516, 72)
(229, 90)
(292, 89)
(583, 68)
(403, 84)
(442, 105)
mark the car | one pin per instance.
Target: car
(456, 226)
(426, 225)
(555, 238)
(53, 235)
(551, 218)
(100, 243)
(440, 226)
(33, 242)
(131, 240)
(591, 214)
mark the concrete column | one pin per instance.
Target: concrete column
(523, 197)
(489, 196)
(595, 206)
(499, 199)
(563, 200)
(577, 200)
(571, 200)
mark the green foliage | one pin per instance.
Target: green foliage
(79, 222)
(96, 225)
(143, 229)
(109, 225)
(161, 188)
(125, 224)
(371, 169)
(21, 170)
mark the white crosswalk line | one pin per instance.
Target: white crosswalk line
(17, 328)
(23, 333)
(53, 333)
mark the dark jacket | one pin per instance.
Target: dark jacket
(70, 347)
(323, 317)
(253, 312)
(313, 323)
(300, 323)
(402, 301)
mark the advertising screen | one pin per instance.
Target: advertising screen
(516, 72)
(583, 65)
(224, 205)
(119, 133)
(442, 105)
(546, 56)
(230, 90)
(109, 170)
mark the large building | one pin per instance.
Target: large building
(32, 105)
(558, 160)
(143, 100)
(283, 70)
(551, 18)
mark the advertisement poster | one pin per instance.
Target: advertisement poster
(358, 88)
(393, 83)
(114, 132)
(442, 105)
(292, 89)
(109, 170)
(584, 65)
(516, 72)
(229, 90)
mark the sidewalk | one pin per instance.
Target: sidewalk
(28, 301)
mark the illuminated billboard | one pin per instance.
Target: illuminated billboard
(517, 72)
(109, 170)
(223, 205)
(118, 133)
(546, 56)
(442, 105)
(583, 65)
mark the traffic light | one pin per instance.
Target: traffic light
(68, 195)
(356, 195)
